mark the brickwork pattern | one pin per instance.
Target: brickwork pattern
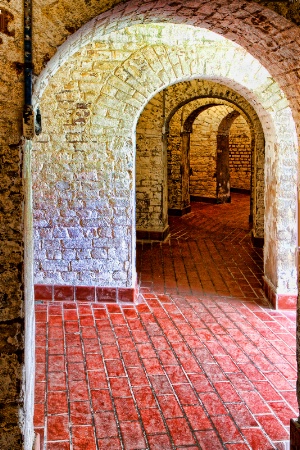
(109, 138)
(149, 136)
(200, 361)
(203, 151)
(240, 154)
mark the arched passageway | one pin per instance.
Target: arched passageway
(60, 249)
(100, 141)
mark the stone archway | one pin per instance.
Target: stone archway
(110, 137)
(172, 131)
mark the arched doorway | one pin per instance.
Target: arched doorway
(107, 201)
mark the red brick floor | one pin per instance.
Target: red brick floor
(200, 363)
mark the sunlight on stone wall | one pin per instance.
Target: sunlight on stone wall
(84, 161)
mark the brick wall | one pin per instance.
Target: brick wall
(240, 154)
(203, 151)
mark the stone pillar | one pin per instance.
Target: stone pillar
(223, 175)
(183, 205)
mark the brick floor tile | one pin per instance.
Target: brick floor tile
(167, 357)
(169, 406)
(110, 352)
(272, 427)
(186, 394)
(80, 413)
(240, 382)
(208, 326)
(197, 418)
(226, 363)
(213, 404)
(76, 371)
(201, 383)
(56, 382)
(74, 354)
(126, 345)
(39, 415)
(120, 387)
(153, 366)
(131, 359)
(101, 400)
(109, 444)
(137, 376)
(40, 392)
(282, 411)
(83, 437)
(176, 374)
(237, 447)
(115, 368)
(159, 442)
(161, 384)
(267, 391)
(227, 392)
(126, 409)
(105, 423)
(61, 445)
(241, 415)
(144, 397)
(287, 371)
(180, 432)
(209, 440)
(152, 421)
(78, 390)
(56, 363)
(214, 372)
(257, 439)
(93, 361)
(279, 381)
(97, 379)
(57, 427)
(57, 402)
(132, 435)
(227, 429)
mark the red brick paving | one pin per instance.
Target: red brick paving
(201, 362)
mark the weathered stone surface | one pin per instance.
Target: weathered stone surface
(10, 433)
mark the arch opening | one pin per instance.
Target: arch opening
(90, 120)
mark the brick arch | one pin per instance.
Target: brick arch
(278, 53)
(121, 97)
(188, 95)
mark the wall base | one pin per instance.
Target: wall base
(294, 434)
(179, 212)
(279, 301)
(196, 198)
(58, 293)
(257, 242)
(240, 191)
(145, 235)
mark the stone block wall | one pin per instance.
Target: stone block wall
(16, 383)
(240, 154)
(203, 151)
(151, 185)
